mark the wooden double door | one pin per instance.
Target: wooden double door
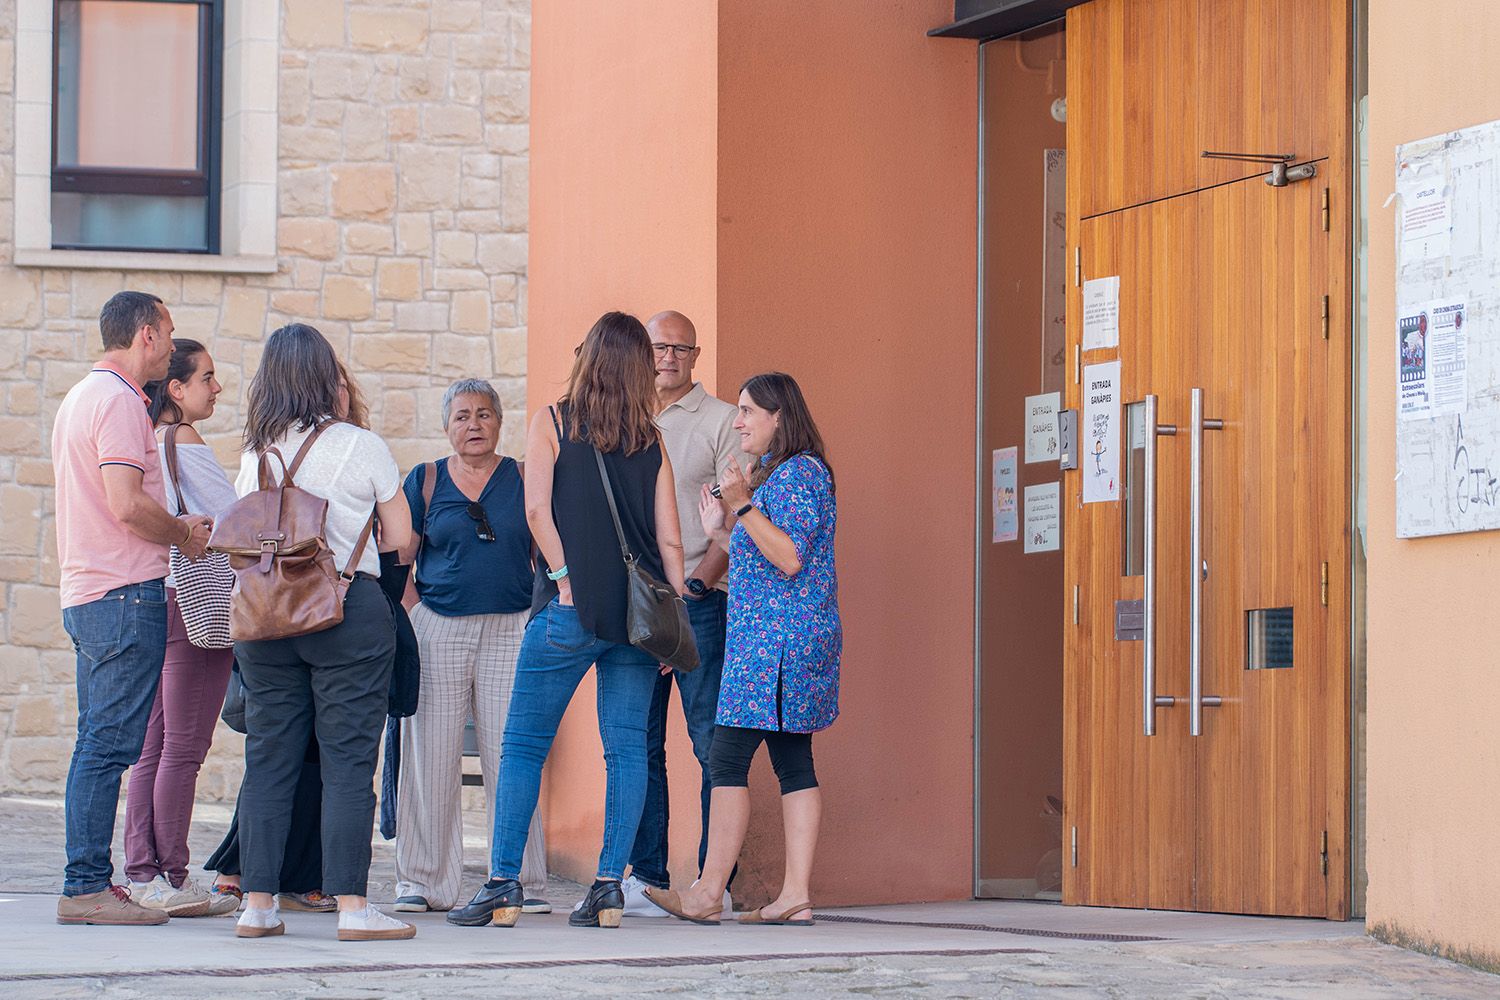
(1206, 656)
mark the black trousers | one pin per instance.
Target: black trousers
(334, 684)
(734, 747)
(302, 863)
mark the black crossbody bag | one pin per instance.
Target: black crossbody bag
(656, 618)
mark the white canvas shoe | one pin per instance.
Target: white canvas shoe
(637, 903)
(257, 923)
(370, 924)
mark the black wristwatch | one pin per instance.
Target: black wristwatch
(744, 510)
(696, 587)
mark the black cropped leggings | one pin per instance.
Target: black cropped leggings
(734, 748)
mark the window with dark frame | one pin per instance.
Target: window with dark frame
(136, 98)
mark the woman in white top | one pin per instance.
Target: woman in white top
(334, 682)
(159, 803)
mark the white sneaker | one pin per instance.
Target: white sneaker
(257, 923)
(158, 894)
(370, 924)
(637, 903)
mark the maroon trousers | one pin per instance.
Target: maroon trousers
(159, 803)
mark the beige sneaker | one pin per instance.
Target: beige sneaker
(112, 906)
(191, 900)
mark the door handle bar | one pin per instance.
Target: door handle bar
(1197, 568)
(1150, 700)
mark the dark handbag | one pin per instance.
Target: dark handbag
(406, 673)
(203, 585)
(656, 618)
(233, 713)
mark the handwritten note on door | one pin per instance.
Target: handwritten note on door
(1100, 460)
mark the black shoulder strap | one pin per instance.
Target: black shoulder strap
(614, 512)
(555, 425)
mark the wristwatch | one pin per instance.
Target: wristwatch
(696, 587)
(744, 510)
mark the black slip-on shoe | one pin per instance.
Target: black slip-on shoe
(496, 902)
(602, 907)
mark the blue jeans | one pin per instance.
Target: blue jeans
(699, 691)
(555, 654)
(120, 641)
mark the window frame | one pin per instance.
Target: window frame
(206, 181)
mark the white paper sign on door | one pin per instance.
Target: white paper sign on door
(1043, 517)
(1041, 427)
(1101, 313)
(1100, 458)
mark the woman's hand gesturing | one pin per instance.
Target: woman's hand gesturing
(734, 488)
(711, 516)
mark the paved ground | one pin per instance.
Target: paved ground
(972, 949)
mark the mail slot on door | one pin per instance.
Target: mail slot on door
(1130, 621)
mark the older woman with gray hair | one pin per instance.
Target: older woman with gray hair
(472, 565)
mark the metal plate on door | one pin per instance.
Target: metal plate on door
(1130, 621)
(1067, 434)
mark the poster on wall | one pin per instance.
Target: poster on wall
(1100, 458)
(1426, 217)
(1003, 494)
(1041, 427)
(1433, 362)
(1054, 268)
(1043, 517)
(1448, 333)
(1101, 313)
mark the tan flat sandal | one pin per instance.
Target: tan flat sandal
(668, 900)
(785, 920)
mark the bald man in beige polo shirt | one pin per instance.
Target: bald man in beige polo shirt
(698, 432)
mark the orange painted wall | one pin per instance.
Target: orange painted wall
(799, 177)
(1434, 678)
(624, 118)
(847, 229)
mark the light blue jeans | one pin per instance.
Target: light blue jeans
(555, 655)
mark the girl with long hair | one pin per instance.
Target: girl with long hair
(159, 803)
(782, 647)
(333, 683)
(578, 607)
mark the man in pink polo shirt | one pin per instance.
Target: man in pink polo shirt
(113, 535)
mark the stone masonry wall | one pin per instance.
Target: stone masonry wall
(403, 145)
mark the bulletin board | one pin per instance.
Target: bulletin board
(1448, 333)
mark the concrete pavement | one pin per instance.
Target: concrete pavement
(968, 949)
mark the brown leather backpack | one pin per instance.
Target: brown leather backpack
(285, 581)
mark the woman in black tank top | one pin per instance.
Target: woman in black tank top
(578, 607)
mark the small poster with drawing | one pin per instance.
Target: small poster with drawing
(1100, 460)
(1003, 495)
(1412, 396)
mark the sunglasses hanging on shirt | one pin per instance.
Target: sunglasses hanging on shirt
(481, 522)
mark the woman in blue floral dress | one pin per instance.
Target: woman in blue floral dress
(781, 662)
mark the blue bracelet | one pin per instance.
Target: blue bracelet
(559, 574)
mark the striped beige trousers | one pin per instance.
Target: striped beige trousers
(468, 666)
